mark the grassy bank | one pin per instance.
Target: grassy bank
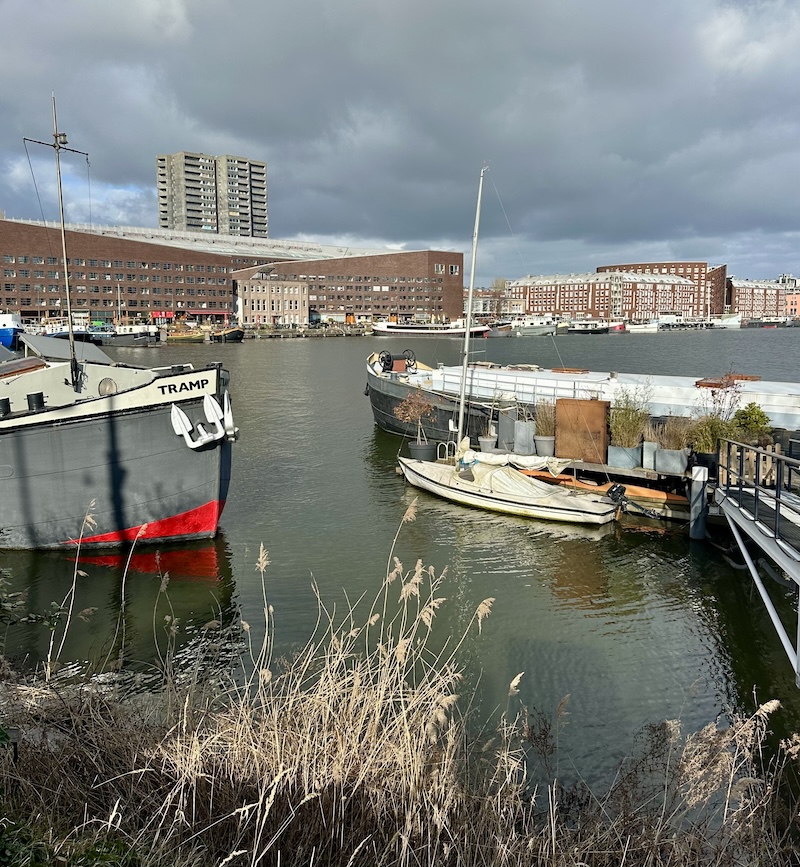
(360, 751)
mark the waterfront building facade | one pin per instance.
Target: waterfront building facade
(759, 299)
(403, 287)
(614, 295)
(131, 272)
(223, 195)
(110, 277)
(709, 298)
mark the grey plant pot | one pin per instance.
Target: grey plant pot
(545, 446)
(523, 438)
(671, 460)
(624, 458)
(422, 451)
(487, 443)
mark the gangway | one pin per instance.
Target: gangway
(758, 492)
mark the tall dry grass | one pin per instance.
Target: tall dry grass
(356, 752)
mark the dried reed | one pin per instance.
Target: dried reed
(355, 752)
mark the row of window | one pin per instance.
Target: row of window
(81, 288)
(349, 278)
(106, 302)
(9, 259)
(25, 273)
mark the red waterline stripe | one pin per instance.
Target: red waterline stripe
(195, 522)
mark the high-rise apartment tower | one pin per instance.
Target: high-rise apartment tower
(222, 195)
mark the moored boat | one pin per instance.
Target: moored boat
(146, 452)
(456, 328)
(492, 388)
(232, 334)
(10, 328)
(596, 326)
(126, 335)
(101, 454)
(493, 482)
(190, 335)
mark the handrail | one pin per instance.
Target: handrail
(764, 484)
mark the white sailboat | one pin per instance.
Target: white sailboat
(493, 482)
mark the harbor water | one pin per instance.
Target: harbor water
(634, 623)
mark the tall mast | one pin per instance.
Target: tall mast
(60, 141)
(60, 144)
(468, 317)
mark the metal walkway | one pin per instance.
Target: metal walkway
(758, 492)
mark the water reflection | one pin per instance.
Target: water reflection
(129, 605)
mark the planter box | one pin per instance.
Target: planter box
(671, 460)
(624, 458)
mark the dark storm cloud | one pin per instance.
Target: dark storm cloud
(615, 130)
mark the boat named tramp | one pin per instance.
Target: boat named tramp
(145, 452)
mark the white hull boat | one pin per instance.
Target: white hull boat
(491, 482)
(458, 328)
(504, 489)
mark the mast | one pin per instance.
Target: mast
(60, 144)
(468, 316)
(59, 141)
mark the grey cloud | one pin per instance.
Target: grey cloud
(618, 130)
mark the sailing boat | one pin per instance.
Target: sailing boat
(494, 482)
(103, 454)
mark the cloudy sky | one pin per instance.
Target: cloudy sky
(615, 130)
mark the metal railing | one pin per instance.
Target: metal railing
(765, 483)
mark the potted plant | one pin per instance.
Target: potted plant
(714, 422)
(627, 420)
(753, 425)
(524, 430)
(673, 438)
(544, 414)
(413, 410)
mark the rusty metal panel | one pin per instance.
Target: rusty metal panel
(582, 429)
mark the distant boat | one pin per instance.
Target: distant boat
(533, 326)
(523, 326)
(233, 334)
(457, 328)
(648, 327)
(596, 326)
(126, 335)
(10, 326)
(190, 335)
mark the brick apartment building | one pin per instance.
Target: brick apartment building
(709, 297)
(603, 295)
(759, 299)
(400, 286)
(110, 277)
(164, 275)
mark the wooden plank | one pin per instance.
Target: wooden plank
(582, 429)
